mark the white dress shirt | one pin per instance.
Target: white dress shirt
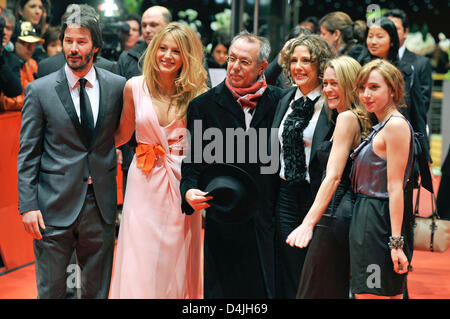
(308, 133)
(92, 90)
(401, 51)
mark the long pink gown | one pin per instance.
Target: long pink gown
(159, 248)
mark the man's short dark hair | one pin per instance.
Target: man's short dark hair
(86, 17)
(134, 17)
(398, 13)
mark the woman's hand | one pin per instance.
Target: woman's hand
(399, 260)
(301, 236)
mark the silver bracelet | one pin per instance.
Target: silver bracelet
(396, 242)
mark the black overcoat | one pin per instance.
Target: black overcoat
(239, 258)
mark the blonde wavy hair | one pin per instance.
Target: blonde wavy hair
(347, 70)
(191, 79)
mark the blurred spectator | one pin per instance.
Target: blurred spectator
(52, 41)
(440, 59)
(10, 85)
(30, 10)
(134, 36)
(153, 20)
(359, 30)
(34, 11)
(337, 28)
(25, 39)
(219, 51)
(216, 61)
(311, 23)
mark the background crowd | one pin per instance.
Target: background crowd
(322, 90)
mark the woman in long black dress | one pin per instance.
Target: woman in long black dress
(327, 265)
(380, 249)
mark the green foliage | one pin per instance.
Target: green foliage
(189, 17)
(132, 6)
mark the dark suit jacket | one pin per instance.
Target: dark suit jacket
(415, 110)
(323, 131)
(128, 64)
(239, 258)
(56, 62)
(422, 73)
(10, 66)
(55, 160)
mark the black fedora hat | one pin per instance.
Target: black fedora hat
(233, 190)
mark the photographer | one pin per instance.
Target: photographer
(25, 39)
(134, 35)
(10, 85)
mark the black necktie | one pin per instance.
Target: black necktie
(87, 119)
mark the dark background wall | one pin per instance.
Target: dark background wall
(434, 13)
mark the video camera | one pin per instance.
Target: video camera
(114, 35)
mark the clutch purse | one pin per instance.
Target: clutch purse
(430, 233)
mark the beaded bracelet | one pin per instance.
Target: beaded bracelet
(396, 242)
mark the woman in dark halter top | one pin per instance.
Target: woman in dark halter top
(380, 249)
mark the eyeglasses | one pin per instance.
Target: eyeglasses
(243, 62)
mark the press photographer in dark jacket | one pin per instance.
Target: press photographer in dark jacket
(9, 63)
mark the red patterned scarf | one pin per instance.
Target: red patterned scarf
(248, 97)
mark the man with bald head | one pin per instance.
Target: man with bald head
(153, 20)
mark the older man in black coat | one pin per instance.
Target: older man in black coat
(239, 257)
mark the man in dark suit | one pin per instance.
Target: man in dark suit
(67, 163)
(421, 64)
(239, 257)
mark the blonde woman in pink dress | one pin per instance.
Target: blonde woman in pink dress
(159, 248)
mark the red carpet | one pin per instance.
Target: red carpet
(430, 278)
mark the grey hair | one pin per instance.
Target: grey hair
(264, 50)
(8, 14)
